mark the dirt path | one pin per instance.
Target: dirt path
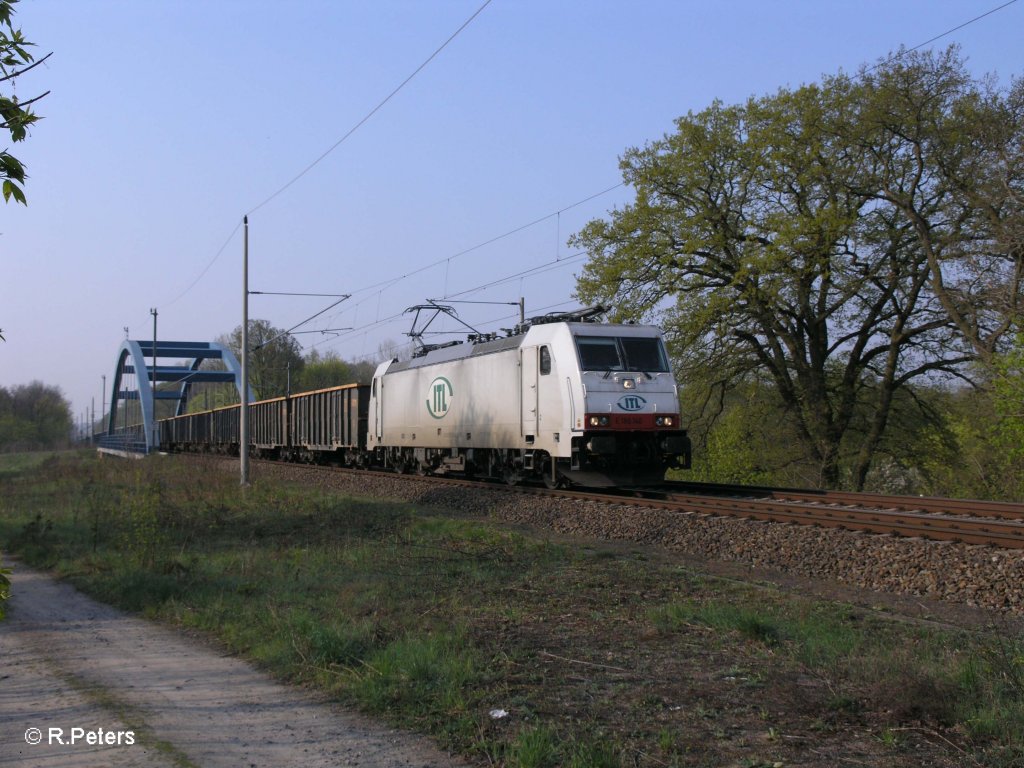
(70, 663)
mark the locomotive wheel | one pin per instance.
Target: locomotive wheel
(557, 481)
(403, 467)
(553, 483)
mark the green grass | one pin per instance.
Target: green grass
(535, 747)
(13, 464)
(748, 622)
(430, 620)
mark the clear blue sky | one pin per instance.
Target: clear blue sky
(167, 121)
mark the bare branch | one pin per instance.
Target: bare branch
(21, 72)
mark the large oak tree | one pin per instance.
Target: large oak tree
(842, 239)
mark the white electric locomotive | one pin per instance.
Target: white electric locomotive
(562, 400)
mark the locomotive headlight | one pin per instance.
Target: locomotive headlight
(663, 421)
(599, 421)
(629, 383)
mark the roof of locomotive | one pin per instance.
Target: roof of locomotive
(461, 350)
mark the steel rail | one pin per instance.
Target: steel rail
(973, 507)
(930, 525)
(914, 524)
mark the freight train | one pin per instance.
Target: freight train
(561, 400)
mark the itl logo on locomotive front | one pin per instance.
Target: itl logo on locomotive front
(439, 397)
(632, 403)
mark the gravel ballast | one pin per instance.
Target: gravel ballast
(973, 575)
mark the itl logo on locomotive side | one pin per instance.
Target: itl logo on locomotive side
(439, 397)
(632, 403)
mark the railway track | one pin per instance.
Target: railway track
(971, 522)
(900, 521)
(851, 512)
(935, 505)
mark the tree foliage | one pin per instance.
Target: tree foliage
(276, 367)
(1008, 400)
(747, 442)
(15, 113)
(970, 453)
(329, 370)
(844, 239)
(33, 417)
(275, 357)
(322, 371)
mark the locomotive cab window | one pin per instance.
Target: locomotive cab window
(644, 354)
(624, 353)
(545, 361)
(598, 353)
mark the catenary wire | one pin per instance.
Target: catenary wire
(206, 269)
(385, 284)
(902, 53)
(334, 146)
(392, 281)
(539, 269)
(377, 108)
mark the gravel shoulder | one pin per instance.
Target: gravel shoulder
(69, 662)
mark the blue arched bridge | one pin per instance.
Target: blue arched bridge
(147, 373)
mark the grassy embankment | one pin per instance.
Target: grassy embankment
(601, 657)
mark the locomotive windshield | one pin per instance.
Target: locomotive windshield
(621, 353)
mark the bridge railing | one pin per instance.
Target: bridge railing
(127, 440)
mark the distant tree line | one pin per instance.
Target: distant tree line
(34, 417)
(839, 270)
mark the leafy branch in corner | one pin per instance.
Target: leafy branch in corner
(15, 115)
